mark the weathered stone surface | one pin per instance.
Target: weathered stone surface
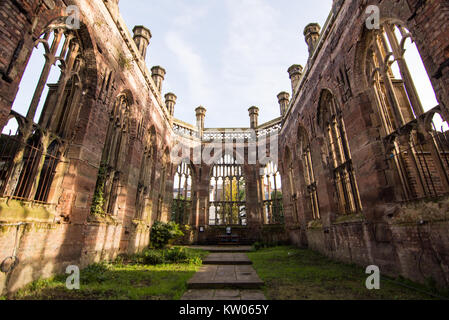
(246, 295)
(225, 276)
(227, 259)
(114, 66)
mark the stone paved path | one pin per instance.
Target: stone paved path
(227, 259)
(224, 249)
(227, 274)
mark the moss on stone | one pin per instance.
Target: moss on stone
(357, 217)
(124, 62)
(273, 228)
(103, 219)
(98, 199)
(13, 211)
(423, 211)
(315, 224)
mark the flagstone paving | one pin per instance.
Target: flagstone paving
(254, 295)
(227, 259)
(227, 274)
(224, 249)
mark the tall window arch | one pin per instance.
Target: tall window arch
(273, 208)
(145, 176)
(403, 93)
(288, 168)
(114, 157)
(46, 107)
(182, 193)
(54, 103)
(414, 133)
(309, 174)
(227, 193)
(345, 183)
(163, 197)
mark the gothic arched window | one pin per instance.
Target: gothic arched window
(309, 173)
(402, 87)
(406, 105)
(346, 188)
(145, 176)
(113, 159)
(182, 194)
(47, 104)
(273, 209)
(54, 103)
(227, 193)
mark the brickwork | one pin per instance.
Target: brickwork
(333, 90)
(72, 235)
(372, 237)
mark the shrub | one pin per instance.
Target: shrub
(94, 273)
(196, 261)
(152, 257)
(164, 233)
(121, 259)
(176, 255)
(257, 246)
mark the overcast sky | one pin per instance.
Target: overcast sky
(226, 55)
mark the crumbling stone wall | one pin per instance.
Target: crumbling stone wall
(66, 232)
(46, 238)
(419, 249)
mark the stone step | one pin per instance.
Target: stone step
(224, 248)
(227, 259)
(208, 295)
(225, 277)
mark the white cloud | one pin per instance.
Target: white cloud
(193, 67)
(191, 14)
(251, 58)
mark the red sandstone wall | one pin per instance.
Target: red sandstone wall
(373, 239)
(75, 238)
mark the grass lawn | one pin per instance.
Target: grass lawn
(296, 274)
(121, 280)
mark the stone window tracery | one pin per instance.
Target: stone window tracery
(145, 176)
(309, 175)
(416, 141)
(114, 157)
(273, 209)
(227, 193)
(345, 183)
(182, 194)
(40, 115)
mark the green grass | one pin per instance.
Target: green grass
(296, 274)
(122, 280)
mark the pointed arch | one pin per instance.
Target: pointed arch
(183, 187)
(332, 124)
(273, 209)
(227, 193)
(305, 154)
(396, 76)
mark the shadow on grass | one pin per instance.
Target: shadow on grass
(119, 281)
(296, 274)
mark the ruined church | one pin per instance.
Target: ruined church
(362, 168)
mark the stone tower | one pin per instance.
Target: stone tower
(142, 37)
(284, 100)
(312, 34)
(170, 102)
(254, 117)
(295, 73)
(158, 75)
(200, 116)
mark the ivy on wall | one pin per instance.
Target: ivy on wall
(98, 199)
